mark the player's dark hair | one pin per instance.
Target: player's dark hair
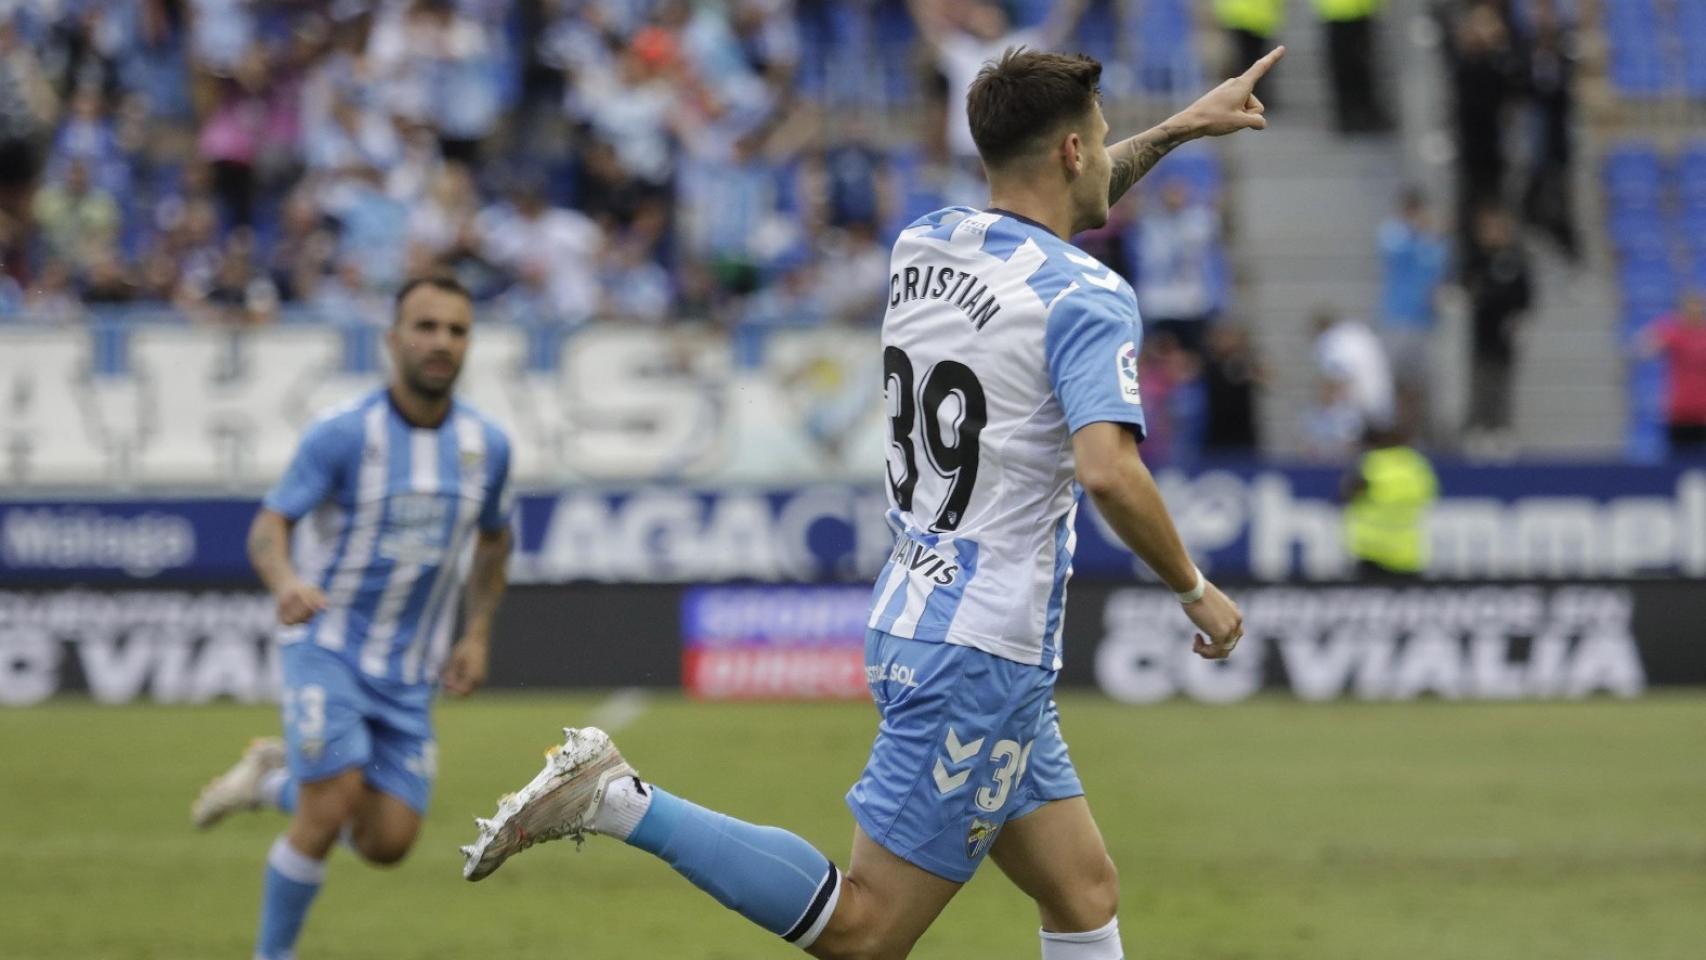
(1026, 96)
(439, 281)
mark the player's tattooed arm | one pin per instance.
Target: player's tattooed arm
(1135, 156)
(1228, 108)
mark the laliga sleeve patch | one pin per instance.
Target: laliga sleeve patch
(1126, 361)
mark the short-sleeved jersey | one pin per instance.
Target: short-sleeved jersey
(389, 512)
(1001, 340)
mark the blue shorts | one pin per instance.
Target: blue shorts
(968, 741)
(335, 718)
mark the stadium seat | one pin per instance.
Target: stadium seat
(1634, 176)
(1650, 283)
(1637, 233)
(1691, 175)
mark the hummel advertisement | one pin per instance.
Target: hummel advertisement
(1449, 641)
(1268, 525)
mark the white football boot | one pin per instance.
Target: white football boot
(559, 802)
(238, 788)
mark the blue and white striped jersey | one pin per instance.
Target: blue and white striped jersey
(391, 511)
(1001, 340)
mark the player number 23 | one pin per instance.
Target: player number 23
(951, 448)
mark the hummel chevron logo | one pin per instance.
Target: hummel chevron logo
(1109, 280)
(958, 753)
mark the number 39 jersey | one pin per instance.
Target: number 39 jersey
(1000, 341)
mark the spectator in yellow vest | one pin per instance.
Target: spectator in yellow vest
(1350, 57)
(1251, 28)
(1388, 495)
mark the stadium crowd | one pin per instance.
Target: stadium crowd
(245, 162)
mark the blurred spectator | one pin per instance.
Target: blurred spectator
(301, 245)
(51, 298)
(1352, 364)
(82, 47)
(1176, 247)
(1351, 52)
(443, 221)
(87, 134)
(631, 284)
(1413, 266)
(1332, 425)
(1388, 495)
(76, 218)
(559, 246)
(963, 34)
(1174, 400)
(854, 291)
(354, 139)
(106, 281)
(346, 298)
(1497, 278)
(633, 106)
(27, 109)
(794, 300)
(847, 181)
(1252, 28)
(1551, 68)
(1680, 338)
(1231, 378)
(609, 192)
(230, 141)
(1486, 77)
(439, 70)
(374, 227)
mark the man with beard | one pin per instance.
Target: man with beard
(397, 488)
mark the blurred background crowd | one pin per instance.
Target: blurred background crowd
(744, 164)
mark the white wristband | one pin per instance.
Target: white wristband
(1195, 593)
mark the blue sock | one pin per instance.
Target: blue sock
(278, 788)
(292, 881)
(765, 874)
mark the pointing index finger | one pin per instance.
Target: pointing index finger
(1260, 68)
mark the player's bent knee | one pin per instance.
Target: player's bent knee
(1088, 904)
(385, 854)
(383, 845)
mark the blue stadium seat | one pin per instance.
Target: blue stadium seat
(1642, 77)
(1691, 174)
(1637, 232)
(1634, 176)
(1649, 286)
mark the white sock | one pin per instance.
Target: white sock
(1100, 944)
(272, 782)
(295, 865)
(625, 802)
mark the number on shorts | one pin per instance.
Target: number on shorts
(305, 709)
(1013, 760)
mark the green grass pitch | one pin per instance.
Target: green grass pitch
(1270, 830)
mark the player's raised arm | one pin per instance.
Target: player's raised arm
(1116, 478)
(1228, 108)
(269, 554)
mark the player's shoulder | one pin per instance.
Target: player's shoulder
(1088, 288)
(343, 424)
